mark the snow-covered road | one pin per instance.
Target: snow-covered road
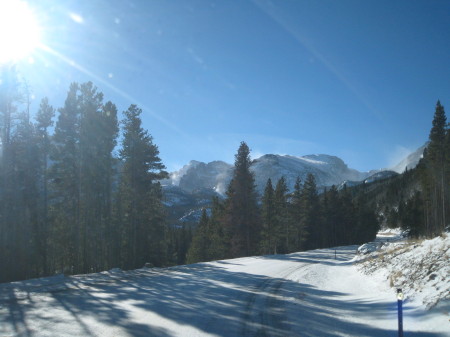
(301, 294)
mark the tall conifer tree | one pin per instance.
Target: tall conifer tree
(24, 196)
(90, 176)
(284, 234)
(44, 120)
(241, 210)
(436, 158)
(65, 184)
(10, 97)
(311, 211)
(141, 209)
(218, 247)
(268, 221)
(332, 214)
(296, 218)
(199, 249)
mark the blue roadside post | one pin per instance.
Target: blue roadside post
(400, 312)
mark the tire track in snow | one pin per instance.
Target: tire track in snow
(264, 309)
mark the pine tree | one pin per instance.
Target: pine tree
(98, 133)
(141, 211)
(447, 175)
(436, 159)
(283, 224)
(199, 249)
(10, 97)
(366, 225)
(296, 211)
(332, 216)
(44, 121)
(241, 210)
(268, 230)
(179, 240)
(65, 187)
(437, 134)
(25, 195)
(347, 226)
(108, 131)
(411, 216)
(424, 177)
(311, 212)
(218, 248)
(90, 174)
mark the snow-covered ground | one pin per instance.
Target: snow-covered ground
(308, 294)
(421, 268)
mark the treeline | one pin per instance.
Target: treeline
(67, 203)
(422, 203)
(281, 221)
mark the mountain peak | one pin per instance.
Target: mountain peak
(216, 175)
(327, 169)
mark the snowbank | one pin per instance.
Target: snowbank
(420, 268)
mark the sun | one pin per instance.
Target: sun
(19, 30)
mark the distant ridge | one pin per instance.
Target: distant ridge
(191, 188)
(328, 170)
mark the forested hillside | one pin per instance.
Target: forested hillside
(282, 222)
(419, 199)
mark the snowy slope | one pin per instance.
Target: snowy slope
(410, 161)
(420, 268)
(308, 294)
(328, 170)
(380, 175)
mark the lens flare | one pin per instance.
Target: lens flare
(19, 30)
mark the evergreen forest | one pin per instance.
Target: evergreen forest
(70, 203)
(80, 192)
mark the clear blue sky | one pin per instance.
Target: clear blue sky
(356, 79)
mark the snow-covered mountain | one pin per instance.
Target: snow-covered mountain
(191, 188)
(328, 170)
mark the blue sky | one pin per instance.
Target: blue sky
(356, 79)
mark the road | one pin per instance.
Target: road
(302, 294)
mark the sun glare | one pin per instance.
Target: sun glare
(19, 30)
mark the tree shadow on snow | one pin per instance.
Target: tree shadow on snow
(206, 297)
